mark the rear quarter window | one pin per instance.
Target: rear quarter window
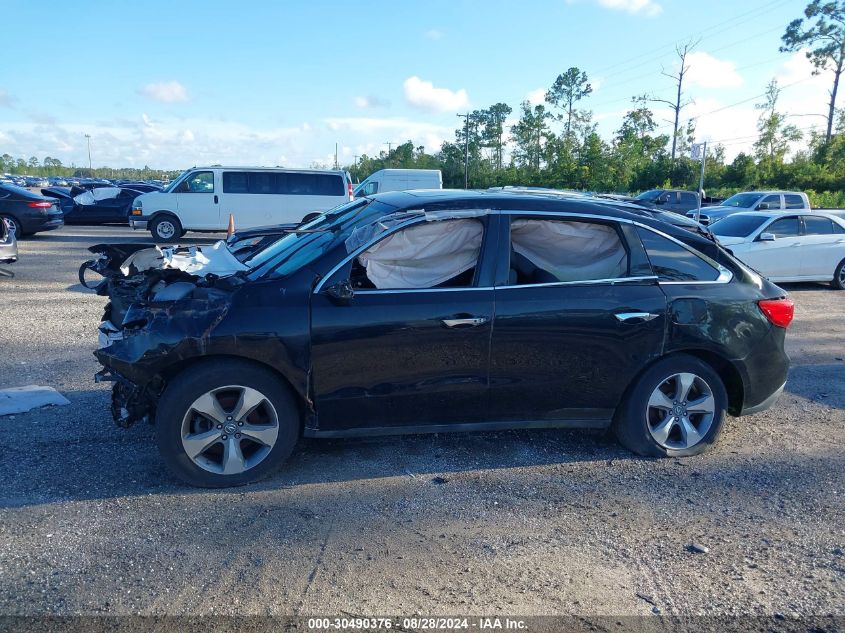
(672, 262)
(296, 184)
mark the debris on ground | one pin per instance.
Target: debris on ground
(23, 399)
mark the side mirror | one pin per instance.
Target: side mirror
(660, 201)
(763, 206)
(766, 237)
(340, 293)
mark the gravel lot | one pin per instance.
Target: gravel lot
(540, 522)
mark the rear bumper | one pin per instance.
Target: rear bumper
(42, 223)
(766, 404)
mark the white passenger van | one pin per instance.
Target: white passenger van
(202, 198)
(399, 180)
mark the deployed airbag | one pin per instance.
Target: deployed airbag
(424, 255)
(94, 195)
(571, 251)
(216, 259)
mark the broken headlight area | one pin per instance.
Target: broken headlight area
(129, 402)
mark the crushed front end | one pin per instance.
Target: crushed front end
(157, 315)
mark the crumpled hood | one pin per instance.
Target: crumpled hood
(215, 259)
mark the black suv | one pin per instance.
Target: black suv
(434, 311)
(675, 200)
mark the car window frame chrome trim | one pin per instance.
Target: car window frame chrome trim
(725, 275)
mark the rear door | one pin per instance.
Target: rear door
(822, 246)
(578, 314)
(197, 200)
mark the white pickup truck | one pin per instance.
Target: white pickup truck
(755, 201)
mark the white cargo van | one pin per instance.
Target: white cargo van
(399, 180)
(202, 198)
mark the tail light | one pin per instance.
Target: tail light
(778, 311)
(350, 190)
(40, 205)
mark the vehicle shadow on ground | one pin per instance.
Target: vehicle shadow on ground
(102, 461)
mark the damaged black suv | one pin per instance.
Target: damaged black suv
(431, 311)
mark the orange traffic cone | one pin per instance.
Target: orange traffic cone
(231, 230)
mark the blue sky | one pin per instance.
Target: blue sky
(173, 84)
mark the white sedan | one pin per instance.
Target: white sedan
(782, 246)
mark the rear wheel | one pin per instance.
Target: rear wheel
(839, 276)
(166, 228)
(675, 409)
(226, 423)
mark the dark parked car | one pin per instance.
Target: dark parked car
(98, 205)
(434, 311)
(26, 212)
(674, 200)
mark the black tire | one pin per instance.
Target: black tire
(632, 423)
(839, 276)
(166, 228)
(13, 221)
(184, 390)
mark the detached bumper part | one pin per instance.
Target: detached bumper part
(129, 402)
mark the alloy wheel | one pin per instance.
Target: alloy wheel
(680, 411)
(230, 430)
(842, 275)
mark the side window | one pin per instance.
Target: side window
(235, 182)
(772, 200)
(304, 184)
(793, 201)
(838, 228)
(673, 262)
(815, 225)
(689, 199)
(262, 182)
(200, 182)
(553, 251)
(370, 188)
(442, 254)
(785, 227)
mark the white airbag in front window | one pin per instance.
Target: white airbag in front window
(424, 255)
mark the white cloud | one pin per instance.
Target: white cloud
(165, 92)
(171, 142)
(646, 7)
(707, 71)
(423, 95)
(369, 101)
(434, 34)
(536, 96)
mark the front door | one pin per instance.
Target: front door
(575, 321)
(778, 258)
(411, 346)
(197, 200)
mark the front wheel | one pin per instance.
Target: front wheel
(165, 228)
(675, 409)
(12, 224)
(226, 423)
(839, 276)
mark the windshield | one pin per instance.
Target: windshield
(651, 194)
(169, 188)
(738, 225)
(742, 200)
(294, 250)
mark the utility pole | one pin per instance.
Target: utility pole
(88, 136)
(335, 156)
(389, 146)
(703, 149)
(466, 150)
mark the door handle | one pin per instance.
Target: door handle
(215, 198)
(625, 317)
(467, 322)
